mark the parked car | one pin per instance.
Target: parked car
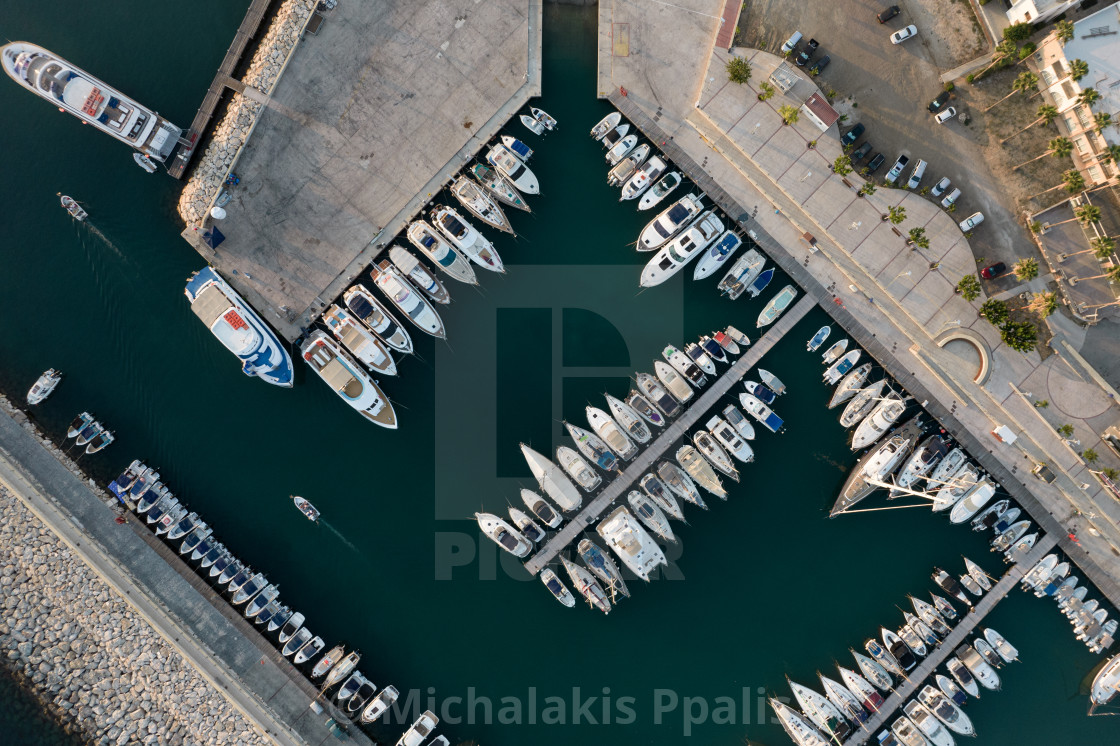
(850, 137)
(875, 163)
(902, 35)
(950, 198)
(822, 63)
(807, 53)
(917, 174)
(994, 271)
(791, 42)
(896, 169)
(946, 115)
(972, 221)
(940, 187)
(861, 152)
(936, 105)
(887, 14)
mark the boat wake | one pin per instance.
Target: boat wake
(323, 522)
(105, 240)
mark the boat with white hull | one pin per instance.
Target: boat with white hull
(552, 480)
(526, 525)
(739, 421)
(850, 385)
(477, 202)
(592, 447)
(861, 689)
(833, 353)
(361, 343)
(872, 671)
(677, 253)
(820, 711)
(419, 275)
(716, 456)
(629, 541)
(407, 299)
(467, 239)
(610, 431)
(541, 508)
(377, 318)
(674, 382)
(650, 515)
(605, 125)
(434, 246)
(652, 485)
(504, 535)
(1106, 684)
(602, 566)
(679, 483)
(776, 306)
(659, 191)
(762, 413)
(862, 403)
(879, 421)
(669, 223)
(683, 364)
(800, 730)
(877, 465)
(700, 357)
(653, 393)
(631, 422)
(648, 173)
(743, 272)
(946, 710)
(557, 588)
(585, 584)
(497, 186)
(628, 166)
(43, 386)
(579, 470)
(928, 454)
(510, 167)
(621, 149)
(352, 384)
(717, 255)
(518, 148)
(729, 439)
(837, 370)
(973, 501)
(697, 467)
(956, 487)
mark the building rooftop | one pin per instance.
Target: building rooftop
(1096, 40)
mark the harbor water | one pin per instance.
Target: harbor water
(760, 586)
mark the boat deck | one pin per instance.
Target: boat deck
(672, 434)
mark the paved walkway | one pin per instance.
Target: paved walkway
(679, 429)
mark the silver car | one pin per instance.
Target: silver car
(940, 187)
(950, 198)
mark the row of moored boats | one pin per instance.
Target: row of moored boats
(1051, 577)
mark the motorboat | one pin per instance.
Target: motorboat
(173, 515)
(144, 162)
(614, 136)
(729, 439)
(1005, 518)
(419, 731)
(544, 118)
(377, 318)
(184, 526)
(87, 433)
(552, 480)
(715, 350)
(164, 503)
(699, 358)
(628, 166)
(776, 305)
(585, 584)
(837, 370)
(557, 588)
(697, 467)
(361, 343)
(497, 186)
(872, 671)
(670, 222)
(928, 614)
(239, 328)
(506, 163)
(661, 496)
(948, 584)
(742, 274)
(526, 525)
(659, 191)
(621, 149)
(477, 202)
(100, 442)
(610, 431)
(679, 483)
(743, 340)
(504, 535)
(956, 487)
(821, 712)
(605, 125)
(882, 656)
(379, 704)
(798, 728)
(951, 690)
(762, 413)
(875, 467)
(541, 508)
(889, 409)
(43, 387)
(987, 652)
(974, 499)
(1035, 576)
(674, 382)
(681, 250)
(850, 385)
(127, 478)
(221, 563)
(833, 353)
(912, 640)
(467, 239)
(977, 574)
(602, 566)
(927, 455)
(739, 421)
(978, 667)
(683, 364)
(862, 403)
(946, 710)
(630, 421)
(846, 702)
(646, 174)
(650, 515)
(273, 616)
(198, 542)
(717, 255)
(645, 408)
(432, 244)
(654, 393)
(297, 642)
(764, 277)
(518, 148)
(760, 391)
(1050, 586)
(1006, 650)
(71, 206)
(908, 733)
(818, 338)
(310, 512)
(419, 275)
(1106, 684)
(1009, 536)
(261, 601)
(629, 541)
(352, 384)
(360, 695)
(407, 299)
(961, 675)
(593, 447)
(578, 469)
(537, 128)
(899, 649)
(712, 451)
(250, 589)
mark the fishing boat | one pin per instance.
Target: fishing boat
(518, 148)
(876, 466)
(352, 384)
(653, 393)
(329, 661)
(503, 534)
(716, 255)
(361, 343)
(697, 467)
(929, 452)
(592, 447)
(99, 442)
(987, 652)
(661, 495)
(621, 149)
(407, 299)
(820, 711)
(729, 439)
(628, 166)
(760, 392)
(280, 618)
(196, 539)
(291, 626)
(755, 288)
(377, 318)
(684, 365)
(436, 247)
(358, 699)
(506, 163)
(712, 451)
(715, 350)
(467, 239)
(769, 379)
(818, 338)
(881, 418)
(630, 543)
(183, 527)
(650, 515)
(776, 306)
(238, 327)
(584, 583)
(946, 710)
(614, 136)
(850, 385)
(946, 582)
(956, 487)
(493, 182)
(899, 649)
(681, 250)
(882, 656)
(552, 480)
(837, 370)
(541, 509)
(669, 223)
(537, 128)
(579, 470)
(526, 525)
(659, 191)
(679, 483)
(977, 573)
(974, 499)
(1106, 684)
(261, 601)
(630, 421)
(379, 704)
(646, 174)
(699, 358)
(144, 162)
(839, 695)
(674, 382)
(762, 413)
(800, 730)
(743, 272)
(739, 421)
(610, 431)
(872, 670)
(44, 386)
(978, 667)
(87, 433)
(297, 642)
(543, 117)
(419, 275)
(859, 687)
(605, 125)
(557, 588)
(73, 208)
(602, 566)
(1006, 650)
(478, 203)
(833, 353)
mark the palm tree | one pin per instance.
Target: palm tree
(1004, 50)
(1026, 81)
(1088, 97)
(1043, 304)
(1112, 273)
(1060, 147)
(1102, 248)
(789, 113)
(896, 214)
(1025, 269)
(1102, 119)
(1111, 154)
(1073, 181)
(1085, 214)
(1064, 31)
(1046, 113)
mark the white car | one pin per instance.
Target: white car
(917, 174)
(946, 115)
(903, 34)
(950, 198)
(972, 221)
(941, 187)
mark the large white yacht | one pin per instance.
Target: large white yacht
(361, 342)
(511, 167)
(681, 250)
(637, 549)
(503, 534)
(552, 480)
(467, 239)
(75, 91)
(670, 222)
(239, 328)
(348, 380)
(882, 417)
(407, 299)
(434, 246)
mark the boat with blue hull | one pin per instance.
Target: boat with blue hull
(238, 327)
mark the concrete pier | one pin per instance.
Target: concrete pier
(671, 435)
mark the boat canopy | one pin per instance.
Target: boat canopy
(341, 379)
(210, 304)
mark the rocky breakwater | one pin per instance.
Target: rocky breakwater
(93, 661)
(232, 132)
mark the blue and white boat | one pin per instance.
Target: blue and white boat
(743, 272)
(760, 283)
(520, 149)
(818, 338)
(841, 366)
(716, 255)
(761, 412)
(760, 392)
(238, 327)
(128, 477)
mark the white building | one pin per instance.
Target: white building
(1038, 11)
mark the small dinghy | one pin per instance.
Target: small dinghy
(518, 148)
(650, 515)
(493, 182)
(680, 483)
(605, 125)
(541, 509)
(630, 420)
(661, 496)
(544, 118)
(532, 124)
(144, 162)
(478, 203)
(557, 588)
(660, 190)
(645, 408)
(712, 451)
(304, 506)
(818, 338)
(44, 386)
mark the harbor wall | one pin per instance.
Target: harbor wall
(232, 133)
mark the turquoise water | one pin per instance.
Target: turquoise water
(760, 586)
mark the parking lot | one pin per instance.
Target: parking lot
(887, 88)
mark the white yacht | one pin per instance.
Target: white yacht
(776, 305)
(497, 186)
(673, 381)
(95, 103)
(526, 525)
(579, 470)
(647, 174)
(800, 730)
(946, 710)
(928, 454)
(352, 384)
(557, 588)
(660, 190)
(652, 486)
(716, 456)
(419, 731)
(1106, 684)
(684, 365)
(626, 168)
(361, 342)
(434, 246)
(681, 485)
(862, 403)
(717, 255)
(239, 328)
(506, 162)
(881, 418)
(503, 534)
(552, 480)
(820, 711)
(728, 437)
(594, 448)
(850, 385)
(380, 704)
(670, 222)
(44, 386)
(762, 413)
(629, 541)
(467, 239)
(407, 299)
(655, 396)
(743, 272)
(605, 125)
(837, 370)
(377, 318)
(609, 431)
(973, 501)
(419, 275)
(621, 149)
(541, 508)
(650, 515)
(697, 467)
(681, 250)
(585, 584)
(631, 422)
(613, 136)
(478, 203)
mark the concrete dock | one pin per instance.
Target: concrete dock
(679, 429)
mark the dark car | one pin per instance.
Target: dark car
(888, 13)
(852, 135)
(938, 103)
(875, 162)
(994, 271)
(822, 63)
(861, 152)
(807, 53)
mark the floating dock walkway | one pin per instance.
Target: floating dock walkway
(673, 433)
(959, 636)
